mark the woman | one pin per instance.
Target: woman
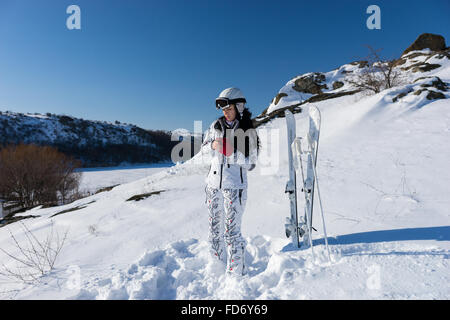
(233, 144)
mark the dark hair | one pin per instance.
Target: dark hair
(245, 123)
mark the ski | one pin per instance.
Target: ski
(308, 178)
(313, 147)
(291, 225)
(311, 182)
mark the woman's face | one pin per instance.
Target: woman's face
(230, 113)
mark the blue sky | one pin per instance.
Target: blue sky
(161, 64)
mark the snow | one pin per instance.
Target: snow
(383, 173)
(424, 51)
(93, 179)
(351, 71)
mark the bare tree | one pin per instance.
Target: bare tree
(35, 258)
(379, 74)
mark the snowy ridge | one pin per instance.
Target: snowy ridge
(337, 81)
(53, 128)
(383, 170)
(78, 137)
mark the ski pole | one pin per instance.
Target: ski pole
(321, 210)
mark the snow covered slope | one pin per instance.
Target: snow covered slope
(383, 169)
(421, 69)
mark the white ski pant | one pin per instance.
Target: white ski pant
(226, 207)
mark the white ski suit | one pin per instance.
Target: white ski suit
(226, 192)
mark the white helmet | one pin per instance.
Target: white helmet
(231, 96)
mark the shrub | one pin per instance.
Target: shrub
(34, 257)
(378, 75)
(37, 175)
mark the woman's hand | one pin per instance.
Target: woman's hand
(221, 145)
(216, 143)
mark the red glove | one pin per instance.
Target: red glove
(224, 147)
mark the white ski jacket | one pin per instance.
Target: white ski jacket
(230, 172)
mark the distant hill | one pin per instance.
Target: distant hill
(95, 143)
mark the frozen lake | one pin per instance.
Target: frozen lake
(100, 177)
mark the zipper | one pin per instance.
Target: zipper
(242, 180)
(221, 169)
(240, 196)
(223, 156)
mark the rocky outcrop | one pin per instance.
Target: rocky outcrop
(310, 83)
(436, 83)
(337, 85)
(434, 87)
(278, 97)
(422, 67)
(360, 64)
(278, 113)
(401, 95)
(431, 41)
(331, 95)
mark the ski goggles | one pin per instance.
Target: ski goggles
(223, 103)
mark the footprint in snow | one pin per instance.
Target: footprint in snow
(185, 270)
